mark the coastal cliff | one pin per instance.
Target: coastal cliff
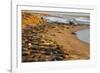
(43, 41)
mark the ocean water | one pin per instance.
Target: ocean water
(84, 35)
(78, 20)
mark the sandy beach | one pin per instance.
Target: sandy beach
(71, 44)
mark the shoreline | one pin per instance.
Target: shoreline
(69, 41)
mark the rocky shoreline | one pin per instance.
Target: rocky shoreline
(44, 41)
(36, 47)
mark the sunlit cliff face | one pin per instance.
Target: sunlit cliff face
(31, 19)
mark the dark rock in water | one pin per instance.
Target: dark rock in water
(73, 33)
